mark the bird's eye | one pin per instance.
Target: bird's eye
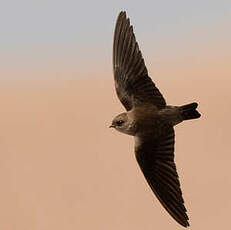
(119, 123)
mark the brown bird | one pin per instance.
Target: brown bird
(149, 120)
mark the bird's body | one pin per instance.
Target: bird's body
(149, 119)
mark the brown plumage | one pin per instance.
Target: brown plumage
(149, 119)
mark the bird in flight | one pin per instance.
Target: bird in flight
(149, 120)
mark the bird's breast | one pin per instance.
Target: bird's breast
(148, 122)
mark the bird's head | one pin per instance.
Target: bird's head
(123, 124)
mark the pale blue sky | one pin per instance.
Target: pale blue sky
(37, 33)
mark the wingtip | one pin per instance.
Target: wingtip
(122, 14)
(184, 223)
(187, 225)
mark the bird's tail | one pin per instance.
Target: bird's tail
(189, 111)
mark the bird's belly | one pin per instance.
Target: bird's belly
(152, 127)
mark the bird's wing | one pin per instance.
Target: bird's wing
(156, 160)
(132, 83)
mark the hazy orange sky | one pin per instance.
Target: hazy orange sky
(61, 166)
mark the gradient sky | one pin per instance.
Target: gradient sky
(44, 39)
(61, 167)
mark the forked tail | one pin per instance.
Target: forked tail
(189, 111)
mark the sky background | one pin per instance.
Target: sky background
(61, 167)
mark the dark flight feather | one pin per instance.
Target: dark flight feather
(133, 85)
(156, 160)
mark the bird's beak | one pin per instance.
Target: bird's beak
(111, 126)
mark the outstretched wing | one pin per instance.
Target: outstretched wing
(133, 85)
(156, 160)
